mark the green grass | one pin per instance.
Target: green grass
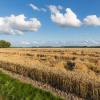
(12, 89)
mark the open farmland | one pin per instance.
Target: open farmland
(71, 70)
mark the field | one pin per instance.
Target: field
(73, 71)
(11, 89)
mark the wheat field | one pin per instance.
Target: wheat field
(72, 70)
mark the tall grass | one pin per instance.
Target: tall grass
(83, 85)
(11, 89)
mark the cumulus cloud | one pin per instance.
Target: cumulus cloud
(55, 9)
(92, 20)
(18, 24)
(68, 19)
(35, 8)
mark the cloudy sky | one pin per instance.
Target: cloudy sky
(50, 22)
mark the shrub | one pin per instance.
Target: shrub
(4, 44)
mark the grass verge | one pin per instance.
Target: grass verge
(12, 89)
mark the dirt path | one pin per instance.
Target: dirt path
(46, 87)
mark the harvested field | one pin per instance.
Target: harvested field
(71, 70)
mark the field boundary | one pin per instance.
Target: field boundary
(42, 86)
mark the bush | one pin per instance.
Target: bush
(4, 44)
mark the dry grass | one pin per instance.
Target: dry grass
(71, 70)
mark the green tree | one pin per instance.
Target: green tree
(4, 44)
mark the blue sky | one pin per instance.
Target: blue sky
(49, 28)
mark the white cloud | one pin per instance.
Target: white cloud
(92, 20)
(68, 19)
(25, 43)
(18, 24)
(35, 8)
(55, 9)
(90, 43)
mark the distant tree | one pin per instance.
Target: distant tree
(4, 44)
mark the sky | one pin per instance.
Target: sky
(50, 22)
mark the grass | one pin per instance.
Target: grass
(12, 89)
